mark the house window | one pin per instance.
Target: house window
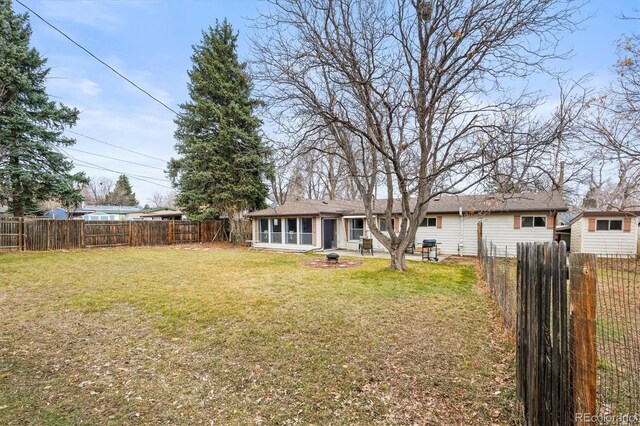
(263, 230)
(276, 231)
(292, 230)
(608, 225)
(533, 221)
(356, 229)
(383, 224)
(429, 221)
(306, 230)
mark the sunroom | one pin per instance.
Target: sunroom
(294, 231)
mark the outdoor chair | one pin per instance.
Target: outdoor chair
(366, 245)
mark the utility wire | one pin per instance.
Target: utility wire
(116, 146)
(97, 59)
(114, 158)
(132, 176)
(129, 175)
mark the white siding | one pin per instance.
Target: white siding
(448, 237)
(608, 242)
(496, 228)
(500, 230)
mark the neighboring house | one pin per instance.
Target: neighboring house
(164, 214)
(605, 232)
(57, 213)
(454, 221)
(108, 212)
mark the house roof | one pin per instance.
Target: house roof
(497, 203)
(111, 208)
(163, 213)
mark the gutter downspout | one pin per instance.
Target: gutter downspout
(461, 241)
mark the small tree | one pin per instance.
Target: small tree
(32, 170)
(122, 194)
(223, 163)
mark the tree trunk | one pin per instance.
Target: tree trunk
(17, 200)
(398, 261)
(236, 230)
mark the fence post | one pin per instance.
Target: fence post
(583, 334)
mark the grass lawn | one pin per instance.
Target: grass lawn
(224, 336)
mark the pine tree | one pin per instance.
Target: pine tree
(223, 163)
(122, 194)
(32, 170)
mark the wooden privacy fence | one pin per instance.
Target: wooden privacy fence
(11, 233)
(575, 320)
(50, 234)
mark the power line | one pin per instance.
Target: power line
(130, 175)
(116, 146)
(114, 158)
(97, 59)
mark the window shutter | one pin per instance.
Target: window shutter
(439, 222)
(516, 222)
(626, 227)
(346, 229)
(592, 224)
(551, 223)
(396, 224)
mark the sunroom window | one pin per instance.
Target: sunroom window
(306, 230)
(276, 231)
(263, 230)
(292, 230)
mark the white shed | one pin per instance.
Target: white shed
(606, 232)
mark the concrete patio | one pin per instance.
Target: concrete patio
(379, 254)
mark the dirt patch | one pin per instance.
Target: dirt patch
(460, 260)
(324, 264)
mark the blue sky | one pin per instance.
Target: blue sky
(150, 42)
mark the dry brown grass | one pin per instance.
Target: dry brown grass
(165, 336)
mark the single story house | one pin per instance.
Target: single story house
(605, 232)
(163, 214)
(96, 212)
(454, 221)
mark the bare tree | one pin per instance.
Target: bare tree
(557, 160)
(97, 189)
(310, 172)
(612, 140)
(409, 91)
(611, 132)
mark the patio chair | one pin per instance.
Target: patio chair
(366, 245)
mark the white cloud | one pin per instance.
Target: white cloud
(82, 86)
(106, 16)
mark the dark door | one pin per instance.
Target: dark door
(329, 233)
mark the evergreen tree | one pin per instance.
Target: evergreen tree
(122, 193)
(223, 163)
(31, 126)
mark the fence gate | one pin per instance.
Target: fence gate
(11, 233)
(106, 234)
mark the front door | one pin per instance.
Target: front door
(329, 233)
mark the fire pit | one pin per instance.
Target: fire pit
(333, 258)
